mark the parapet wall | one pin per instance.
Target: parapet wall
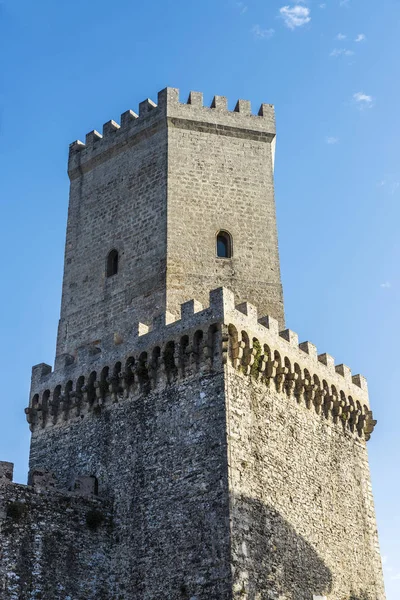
(116, 137)
(202, 340)
(52, 544)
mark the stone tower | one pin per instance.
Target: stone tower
(186, 446)
(157, 191)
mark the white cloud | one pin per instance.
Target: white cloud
(363, 100)
(390, 183)
(341, 36)
(360, 38)
(388, 285)
(344, 2)
(341, 52)
(242, 7)
(331, 140)
(323, 5)
(295, 16)
(262, 34)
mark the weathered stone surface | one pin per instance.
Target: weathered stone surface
(54, 546)
(186, 446)
(161, 459)
(229, 435)
(303, 519)
(158, 189)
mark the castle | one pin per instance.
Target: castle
(186, 446)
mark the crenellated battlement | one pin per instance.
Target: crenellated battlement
(171, 429)
(203, 340)
(192, 114)
(41, 480)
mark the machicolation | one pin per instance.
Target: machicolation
(185, 445)
(203, 341)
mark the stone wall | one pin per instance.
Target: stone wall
(302, 506)
(160, 458)
(117, 201)
(229, 459)
(53, 545)
(157, 189)
(220, 176)
(286, 501)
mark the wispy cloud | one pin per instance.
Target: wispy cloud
(323, 5)
(242, 7)
(341, 36)
(390, 183)
(363, 100)
(331, 140)
(360, 38)
(388, 285)
(344, 2)
(262, 34)
(295, 16)
(341, 52)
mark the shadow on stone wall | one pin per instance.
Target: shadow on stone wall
(270, 559)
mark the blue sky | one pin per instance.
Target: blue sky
(331, 69)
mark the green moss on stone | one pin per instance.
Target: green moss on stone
(254, 370)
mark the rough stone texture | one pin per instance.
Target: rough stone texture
(119, 203)
(221, 172)
(241, 451)
(303, 518)
(158, 189)
(229, 460)
(161, 459)
(50, 546)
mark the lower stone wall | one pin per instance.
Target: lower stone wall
(220, 488)
(53, 546)
(303, 519)
(161, 459)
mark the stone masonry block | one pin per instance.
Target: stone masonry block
(6, 472)
(146, 106)
(196, 99)
(128, 117)
(249, 310)
(222, 301)
(309, 348)
(92, 137)
(327, 359)
(243, 106)
(110, 127)
(85, 485)
(167, 95)
(39, 371)
(270, 323)
(290, 336)
(189, 308)
(41, 479)
(163, 319)
(344, 371)
(360, 381)
(220, 103)
(76, 146)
